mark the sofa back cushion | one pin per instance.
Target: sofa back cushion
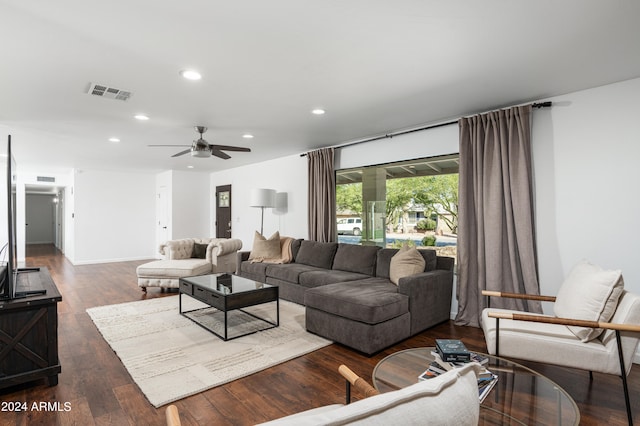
(318, 254)
(353, 258)
(180, 249)
(385, 255)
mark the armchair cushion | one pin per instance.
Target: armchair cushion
(589, 293)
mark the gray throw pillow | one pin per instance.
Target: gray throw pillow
(199, 251)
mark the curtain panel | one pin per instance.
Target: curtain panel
(496, 235)
(322, 195)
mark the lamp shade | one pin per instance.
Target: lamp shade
(262, 197)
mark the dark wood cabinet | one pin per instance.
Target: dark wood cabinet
(29, 332)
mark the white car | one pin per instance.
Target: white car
(350, 225)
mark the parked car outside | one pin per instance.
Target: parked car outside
(350, 225)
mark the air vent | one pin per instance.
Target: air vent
(105, 91)
(46, 179)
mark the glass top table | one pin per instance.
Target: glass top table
(226, 293)
(520, 397)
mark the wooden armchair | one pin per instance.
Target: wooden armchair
(552, 339)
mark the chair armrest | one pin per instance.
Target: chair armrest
(491, 293)
(564, 321)
(222, 247)
(357, 381)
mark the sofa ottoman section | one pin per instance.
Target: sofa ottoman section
(367, 315)
(167, 273)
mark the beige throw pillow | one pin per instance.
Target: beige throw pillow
(265, 248)
(407, 261)
(589, 293)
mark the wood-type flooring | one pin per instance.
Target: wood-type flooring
(95, 389)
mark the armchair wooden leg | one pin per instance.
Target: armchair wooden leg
(623, 374)
(498, 337)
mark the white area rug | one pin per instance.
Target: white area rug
(170, 357)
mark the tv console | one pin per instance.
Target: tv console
(29, 331)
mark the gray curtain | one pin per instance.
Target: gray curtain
(496, 235)
(322, 195)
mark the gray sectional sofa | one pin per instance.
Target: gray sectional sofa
(349, 297)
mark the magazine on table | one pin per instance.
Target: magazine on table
(486, 379)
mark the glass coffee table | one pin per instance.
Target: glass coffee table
(520, 397)
(227, 293)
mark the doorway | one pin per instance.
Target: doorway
(223, 211)
(44, 215)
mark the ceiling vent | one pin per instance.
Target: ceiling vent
(105, 91)
(46, 179)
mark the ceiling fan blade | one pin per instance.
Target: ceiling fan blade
(168, 145)
(230, 148)
(219, 154)
(186, 151)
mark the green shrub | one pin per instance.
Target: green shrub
(400, 243)
(426, 225)
(429, 240)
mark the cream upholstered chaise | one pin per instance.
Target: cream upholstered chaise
(596, 326)
(189, 257)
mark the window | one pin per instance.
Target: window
(389, 204)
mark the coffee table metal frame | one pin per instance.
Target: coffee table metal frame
(515, 382)
(226, 293)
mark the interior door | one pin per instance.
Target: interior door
(223, 211)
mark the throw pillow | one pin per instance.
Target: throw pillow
(199, 251)
(407, 261)
(265, 248)
(589, 293)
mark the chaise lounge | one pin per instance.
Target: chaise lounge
(188, 257)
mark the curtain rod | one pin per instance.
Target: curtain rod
(545, 104)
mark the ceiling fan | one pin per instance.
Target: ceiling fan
(201, 148)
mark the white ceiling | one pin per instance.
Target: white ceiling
(375, 66)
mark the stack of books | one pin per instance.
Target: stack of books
(450, 354)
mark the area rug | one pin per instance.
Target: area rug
(170, 357)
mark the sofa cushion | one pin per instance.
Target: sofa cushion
(355, 258)
(406, 262)
(289, 271)
(314, 253)
(384, 260)
(255, 269)
(324, 277)
(450, 399)
(174, 268)
(264, 248)
(589, 293)
(372, 300)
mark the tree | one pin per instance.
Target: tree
(440, 194)
(349, 198)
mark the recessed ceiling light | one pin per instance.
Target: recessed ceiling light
(141, 117)
(114, 140)
(318, 111)
(247, 136)
(191, 74)
(189, 167)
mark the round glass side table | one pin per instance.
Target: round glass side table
(520, 397)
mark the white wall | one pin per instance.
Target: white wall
(585, 152)
(288, 176)
(191, 201)
(114, 214)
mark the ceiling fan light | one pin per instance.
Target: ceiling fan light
(201, 153)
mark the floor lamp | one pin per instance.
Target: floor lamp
(263, 198)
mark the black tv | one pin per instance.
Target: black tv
(9, 286)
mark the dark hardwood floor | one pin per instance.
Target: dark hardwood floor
(99, 391)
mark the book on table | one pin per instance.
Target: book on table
(486, 378)
(452, 350)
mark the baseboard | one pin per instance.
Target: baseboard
(96, 261)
